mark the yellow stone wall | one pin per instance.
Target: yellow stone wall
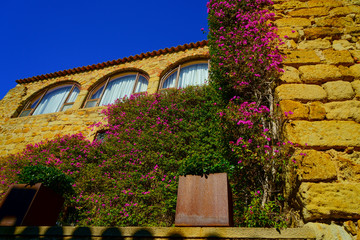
(16, 133)
(320, 99)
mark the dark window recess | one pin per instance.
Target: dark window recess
(101, 136)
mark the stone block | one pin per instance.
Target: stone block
(288, 33)
(314, 166)
(350, 227)
(348, 164)
(17, 131)
(319, 73)
(339, 90)
(338, 57)
(293, 22)
(317, 111)
(341, 45)
(152, 90)
(309, 12)
(345, 110)
(25, 130)
(324, 134)
(329, 200)
(343, 11)
(353, 30)
(329, 232)
(49, 135)
(15, 140)
(294, 110)
(315, 44)
(289, 44)
(356, 86)
(324, 3)
(350, 154)
(302, 92)
(339, 22)
(322, 32)
(355, 70)
(290, 4)
(290, 75)
(57, 128)
(301, 57)
(355, 54)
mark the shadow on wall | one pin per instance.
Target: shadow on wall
(151, 233)
(75, 233)
(112, 233)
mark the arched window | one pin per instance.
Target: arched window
(116, 87)
(52, 100)
(194, 74)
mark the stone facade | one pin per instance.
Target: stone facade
(320, 100)
(17, 132)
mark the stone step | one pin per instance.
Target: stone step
(133, 233)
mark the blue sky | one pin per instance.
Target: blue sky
(44, 36)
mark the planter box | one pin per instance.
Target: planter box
(204, 201)
(26, 205)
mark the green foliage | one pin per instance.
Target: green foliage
(150, 141)
(181, 126)
(49, 176)
(132, 173)
(130, 177)
(268, 215)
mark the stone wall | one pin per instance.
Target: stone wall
(320, 101)
(17, 132)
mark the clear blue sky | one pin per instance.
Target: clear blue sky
(44, 36)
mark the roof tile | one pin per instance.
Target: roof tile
(113, 62)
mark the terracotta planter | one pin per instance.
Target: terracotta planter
(26, 205)
(204, 201)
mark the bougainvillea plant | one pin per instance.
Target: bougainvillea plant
(244, 49)
(129, 178)
(132, 173)
(245, 67)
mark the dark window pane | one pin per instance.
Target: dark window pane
(25, 113)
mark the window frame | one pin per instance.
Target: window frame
(105, 83)
(178, 70)
(38, 99)
(100, 135)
